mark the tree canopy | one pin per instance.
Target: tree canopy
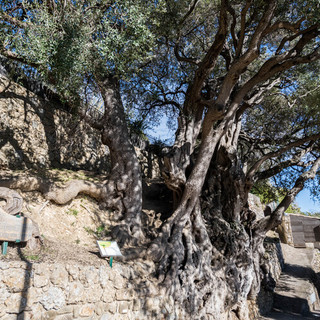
(69, 42)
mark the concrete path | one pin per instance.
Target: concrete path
(295, 289)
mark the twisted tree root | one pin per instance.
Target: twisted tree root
(13, 201)
(59, 195)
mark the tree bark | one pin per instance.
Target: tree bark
(123, 190)
(206, 253)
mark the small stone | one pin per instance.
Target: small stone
(76, 291)
(99, 308)
(125, 272)
(40, 281)
(59, 276)
(86, 310)
(89, 276)
(37, 311)
(15, 303)
(4, 265)
(94, 294)
(41, 269)
(4, 294)
(66, 309)
(108, 294)
(123, 294)
(148, 304)
(33, 295)
(76, 311)
(53, 299)
(112, 307)
(123, 307)
(73, 271)
(168, 307)
(49, 315)
(103, 276)
(16, 280)
(118, 281)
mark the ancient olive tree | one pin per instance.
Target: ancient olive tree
(230, 70)
(82, 50)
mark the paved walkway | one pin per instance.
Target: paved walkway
(295, 287)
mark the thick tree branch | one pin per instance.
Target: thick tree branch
(240, 65)
(280, 151)
(294, 161)
(207, 64)
(294, 27)
(294, 36)
(15, 57)
(233, 26)
(242, 28)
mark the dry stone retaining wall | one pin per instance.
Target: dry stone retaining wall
(35, 133)
(57, 291)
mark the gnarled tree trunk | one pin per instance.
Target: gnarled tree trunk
(207, 254)
(123, 190)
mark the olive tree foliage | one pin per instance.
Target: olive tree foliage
(82, 50)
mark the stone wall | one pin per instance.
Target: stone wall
(36, 133)
(272, 265)
(285, 231)
(61, 291)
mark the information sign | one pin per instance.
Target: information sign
(108, 248)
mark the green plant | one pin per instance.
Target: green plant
(32, 257)
(100, 232)
(73, 212)
(88, 230)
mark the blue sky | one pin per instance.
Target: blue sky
(162, 131)
(306, 203)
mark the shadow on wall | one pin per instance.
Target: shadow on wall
(293, 305)
(26, 283)
(38, 133)
(19, 159)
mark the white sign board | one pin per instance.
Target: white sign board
(108, 248)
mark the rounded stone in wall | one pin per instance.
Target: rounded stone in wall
(53, 299)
